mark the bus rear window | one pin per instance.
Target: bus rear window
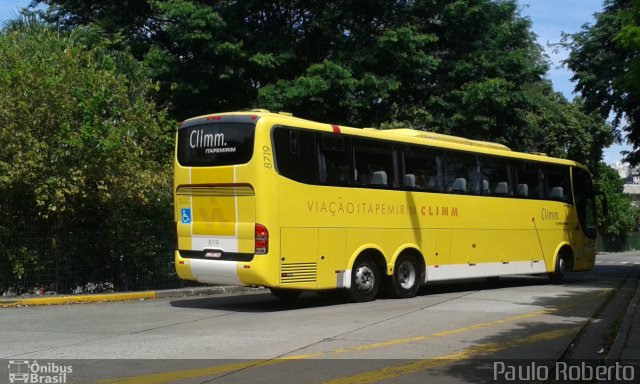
(216, 144)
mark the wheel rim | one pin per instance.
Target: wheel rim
(365, 278)
(562, 265)
(406, 275)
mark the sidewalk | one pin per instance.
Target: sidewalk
(626, 345)
(144, 295)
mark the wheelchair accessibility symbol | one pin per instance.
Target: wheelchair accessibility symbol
(186, 215)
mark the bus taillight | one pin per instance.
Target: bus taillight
(262, 239)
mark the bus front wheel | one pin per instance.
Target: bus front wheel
(562, 267)
(365, 281)
(405, 281)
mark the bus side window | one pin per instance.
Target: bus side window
(501, 189)
(422, 169)
(476, 180)
(333, 157)
(529, 178)
(409, 181)
(523, 190)
(295, 154)
(557, 183)
(495, 176)
(322, 167)
(374, 163)
(462, 174)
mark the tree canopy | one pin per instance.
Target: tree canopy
(621, 219)
(605, 58)
(463, 67)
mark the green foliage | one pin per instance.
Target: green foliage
(328, 91)
(622, 218)
(568, 132)
(463, 67)
(82, 143)
(604, 58)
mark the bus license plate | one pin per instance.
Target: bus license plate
(213, 254)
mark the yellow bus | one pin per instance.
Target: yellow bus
(271, 200)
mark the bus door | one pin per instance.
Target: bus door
(584, 234)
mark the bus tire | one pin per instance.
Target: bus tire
(405, 281)
(562, 267)
(365, 281)
(285, 294)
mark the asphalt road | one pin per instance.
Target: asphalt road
(453, 332)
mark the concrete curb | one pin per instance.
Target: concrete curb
(205, 291)
(623, 333)
(102, 297)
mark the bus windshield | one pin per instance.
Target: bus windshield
(215, 144)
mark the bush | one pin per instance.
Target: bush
(85, 155)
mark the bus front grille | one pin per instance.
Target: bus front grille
(298, 273)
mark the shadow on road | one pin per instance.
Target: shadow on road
(524, 348)
(266, 302)
(262, 302)
(527, 343)
(601, 277)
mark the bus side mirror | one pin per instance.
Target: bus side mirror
(605, 205)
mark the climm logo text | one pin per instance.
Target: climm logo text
(199, 139)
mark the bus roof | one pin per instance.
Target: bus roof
(447, 138)
(407, 135)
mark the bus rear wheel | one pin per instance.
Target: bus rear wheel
(365, 281)
(285, 294)
(405, 281)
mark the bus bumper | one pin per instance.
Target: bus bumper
(208, 271)
(255, 272)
